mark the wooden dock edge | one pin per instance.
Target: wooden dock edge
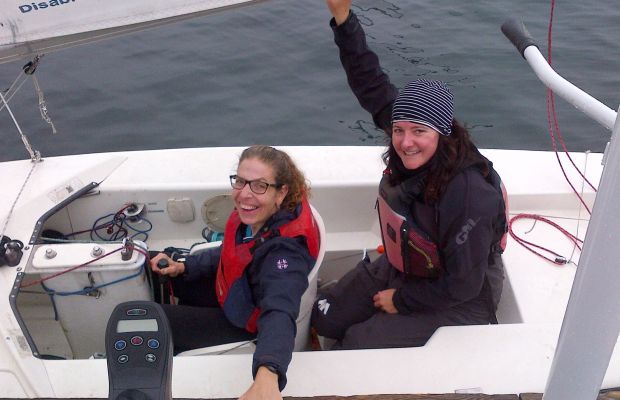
(607, 394)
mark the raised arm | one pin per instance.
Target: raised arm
(369, 83)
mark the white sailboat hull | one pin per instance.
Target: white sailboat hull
(512, 357)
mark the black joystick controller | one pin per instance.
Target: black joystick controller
(138, 345)
(161, 264)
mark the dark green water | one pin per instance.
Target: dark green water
(270, 73)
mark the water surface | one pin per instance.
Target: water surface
(270, 73)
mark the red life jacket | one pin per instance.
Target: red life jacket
(407, 246)
(236, 257)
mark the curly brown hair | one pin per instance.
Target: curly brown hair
(453, 152)
(285, 170)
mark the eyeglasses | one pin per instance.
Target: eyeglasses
(256, 186)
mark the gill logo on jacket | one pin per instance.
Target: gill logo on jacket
(461, 237)
(323, 306)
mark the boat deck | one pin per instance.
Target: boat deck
(512, 357)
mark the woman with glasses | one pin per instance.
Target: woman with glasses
(251, 286)
(441, 213)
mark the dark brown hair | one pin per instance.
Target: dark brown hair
(453, 153)
(285, 171)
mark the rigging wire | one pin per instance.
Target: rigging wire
(14, 88)
(35, 155)
(28, 70)
(570, 259)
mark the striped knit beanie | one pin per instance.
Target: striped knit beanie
(425, 102)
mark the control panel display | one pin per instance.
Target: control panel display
(136, 325)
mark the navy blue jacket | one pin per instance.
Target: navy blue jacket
(275, 290)
(470, 207)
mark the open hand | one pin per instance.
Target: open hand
(339, 9)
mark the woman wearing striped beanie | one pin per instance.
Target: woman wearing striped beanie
(441, 212)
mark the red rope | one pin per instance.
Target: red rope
(551, 111)
(554, 127)
(558, 259)
(69, 270)
(563, 143)
(139, 250)
(171, 291)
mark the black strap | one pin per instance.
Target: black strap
(489, 295)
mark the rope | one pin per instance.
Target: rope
(133, 246)
(43, 104)
(28, 70)
(558, 258)
(70, 269)
(95, 288)
(554, 127)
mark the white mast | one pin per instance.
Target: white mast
(592, 320)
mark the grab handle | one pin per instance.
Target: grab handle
(518, 34)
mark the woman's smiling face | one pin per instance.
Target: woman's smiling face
(414, 143)
(255, 209)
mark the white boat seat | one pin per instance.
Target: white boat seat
(200, 247)
(302, 339)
